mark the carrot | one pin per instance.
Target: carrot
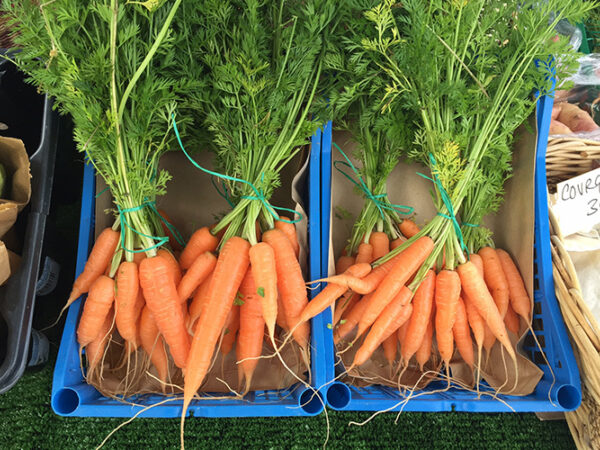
(153, 344)
(447, 292)
(281, 322)
(98, 261)
(175, 245)
(200, 269)
(201, 241)
(380, 243)
(390, 348)
(396, 313)
(406, 265)
(95, 309)
(408, 228)
(397, 242)
(420, 318)
(232, 325)
(462, 334)
(343, 263)
(424, 352)
(290, 284)
(495, 279)
(289, 229)
(327, 296)
(198, 303)
(95, 349)
(365, 253)
(511, 320)
(160, 293)
(227, 277)
(344, 303)
(138, 257)
(476, 289)
(252, 326)
(264, 274)
(519, 299)
(172, 264)
(351, 319)
(128, 301)
(476, 322)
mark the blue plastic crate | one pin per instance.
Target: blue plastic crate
(547, 322)
(72, 396)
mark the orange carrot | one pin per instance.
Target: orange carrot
(396, 313)
(495, 279)
(351, 319)
(227, 277)
(153, 344)
(201, 241)
(406, 265)
(327, 296)
(264, 274)
(198, 303)
(462, 334)
(97, 263)
(401, 333)
(252, 326)
(408, 228)
(380, 243)
(175, 245)
(232, 325)
(344, 303)
(172, 264)
(343, 263)
(390, 348)
(94, 351)
(138, 257)
(511, 320)
(129, 302)
(447, 292)
(290, 283)
(519, 299)
(281, 322)
(476, 289)
(365, 253)
(160, 293)
(421, 316)
(195, 275)
(475, 321)
(289, 229)
(397, 242)
(424, 352)
(95, 309)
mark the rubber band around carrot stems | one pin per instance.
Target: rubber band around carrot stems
(447, 203)
(161, 239)
(259, 195)
(400, 209)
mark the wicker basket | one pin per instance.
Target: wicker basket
(568, 157)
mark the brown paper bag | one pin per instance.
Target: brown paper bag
(513, 228)
(191, 202)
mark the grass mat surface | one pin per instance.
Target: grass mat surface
(27, 422)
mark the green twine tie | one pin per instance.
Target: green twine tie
(161, 239)
(447, 202)
(258, 193)
(376, 199)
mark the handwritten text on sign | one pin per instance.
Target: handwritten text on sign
(578, 202)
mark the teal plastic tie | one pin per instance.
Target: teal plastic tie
(258, 193)
(376, 199)
(161, 239)
(223, 193)
(447, 202)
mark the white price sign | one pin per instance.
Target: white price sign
(578, 203)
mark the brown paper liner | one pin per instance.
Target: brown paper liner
(192, 202)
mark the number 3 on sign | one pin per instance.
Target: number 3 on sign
(578, 203)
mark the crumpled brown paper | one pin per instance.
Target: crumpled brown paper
(513, 228)
(15, 160)
(191, 202)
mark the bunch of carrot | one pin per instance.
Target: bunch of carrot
(181, 308)
(390, 308)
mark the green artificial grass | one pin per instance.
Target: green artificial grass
(28, 422)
